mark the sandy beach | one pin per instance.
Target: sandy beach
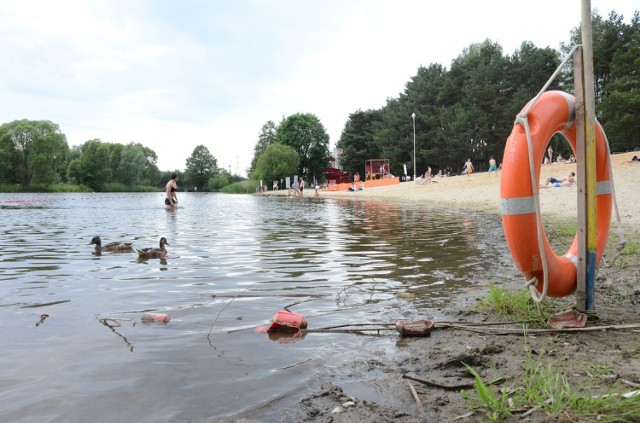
(481, 192)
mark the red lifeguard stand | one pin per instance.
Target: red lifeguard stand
(377, 169)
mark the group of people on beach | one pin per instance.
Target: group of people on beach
(297, 189)
(551, 158)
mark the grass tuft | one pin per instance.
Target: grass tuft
(512, 305)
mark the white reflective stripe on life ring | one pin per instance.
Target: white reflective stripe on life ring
(603, 187)
(515, 206)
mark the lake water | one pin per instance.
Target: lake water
(233, 262)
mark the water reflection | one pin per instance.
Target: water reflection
(233, 262)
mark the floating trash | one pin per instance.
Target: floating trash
(568, 319)
(287, 321)
(155, 317)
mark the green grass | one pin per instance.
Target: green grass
(61, 187)
(566, 229)
(601, 368)
(242, 187)
(58, 187)
(548, 389)
(631, 247)
(512, 305)
(495, 406)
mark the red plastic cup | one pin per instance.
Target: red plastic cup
(285, 320)
(155, 317)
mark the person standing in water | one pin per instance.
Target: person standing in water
(171, 197)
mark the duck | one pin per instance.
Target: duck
(114, 247)
(149, 253)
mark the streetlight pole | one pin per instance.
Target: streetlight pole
(413, 116)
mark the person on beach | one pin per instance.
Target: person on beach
(568, 180)
(492, 165)
(468, 167)
(301, 187)
(171, 197)
(427, 175)
(296, 188)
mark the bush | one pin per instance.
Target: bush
(243, 187)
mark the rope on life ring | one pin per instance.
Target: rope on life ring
(546, 273)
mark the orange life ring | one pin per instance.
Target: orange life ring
(554, 112)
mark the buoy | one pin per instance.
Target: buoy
(553, 113)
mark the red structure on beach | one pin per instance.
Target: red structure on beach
(336, 176)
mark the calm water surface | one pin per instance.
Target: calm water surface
(356, 259)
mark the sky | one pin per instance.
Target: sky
(176, 74)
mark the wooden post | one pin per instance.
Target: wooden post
(590, 157)
(581, 183)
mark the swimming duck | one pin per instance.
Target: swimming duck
(149, 253)
(114, 247)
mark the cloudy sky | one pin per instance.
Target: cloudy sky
(175, 74)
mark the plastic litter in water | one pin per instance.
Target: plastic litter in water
(155, 317)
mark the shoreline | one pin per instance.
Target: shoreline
(481, 192)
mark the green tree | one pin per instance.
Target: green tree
(151, 174)
(266, 137)
(132, 164)
(357, 140)
(277, 162)
(32, 152)
(115, 162)
(609, 36)
(308, 137)
(90, 165)
(200, 167)
(219, 181)
(621, 106)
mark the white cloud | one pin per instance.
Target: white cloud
(175, 75)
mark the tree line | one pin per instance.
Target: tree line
(468, 110)
(36, 154)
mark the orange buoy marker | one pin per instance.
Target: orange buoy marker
(554, 112)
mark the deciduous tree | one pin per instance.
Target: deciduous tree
(32, 152)
(200, 167)
(266, 137)
(277, 162)
(307, 136)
